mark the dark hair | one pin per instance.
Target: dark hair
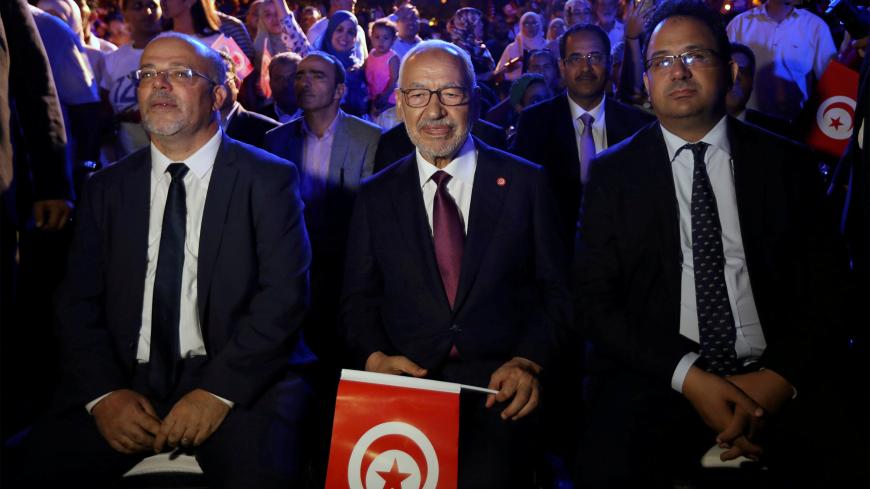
(205, 19)
(383, 23)
(340, 72)
(745, 50)
(693, 10)
(547, 53)
(574, 29)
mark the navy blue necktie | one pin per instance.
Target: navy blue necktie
(715, 318)
(165, 311)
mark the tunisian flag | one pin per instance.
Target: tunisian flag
(393, 432)
(229, 46)
(833, 106)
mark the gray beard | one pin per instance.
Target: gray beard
(447, 149)
(166, 129)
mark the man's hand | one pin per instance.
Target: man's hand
(727, 410)
(766, 387)
(127, 421)
(52, 215)
(395, 364)
(516, 379)
(191, 421)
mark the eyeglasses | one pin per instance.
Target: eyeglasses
(176, 76)
(449, 96)
(700, 58)
(594, 58)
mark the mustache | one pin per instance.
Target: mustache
(424, 124)
(682, 85)
(162, 98)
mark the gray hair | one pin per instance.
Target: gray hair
(449, 48)
(213, 58)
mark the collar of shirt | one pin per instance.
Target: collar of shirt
(461, 168)
(717, 138)
(329, 130)
(761, 10)
(597, 112)
(284, 117)
(226, 121)
(741, 116)
(199, 162)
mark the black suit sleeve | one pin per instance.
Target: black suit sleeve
(360, 316)
(86, 346)
(524, 138)
(601, 298)
(262, 335)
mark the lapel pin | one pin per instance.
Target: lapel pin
(500, 181)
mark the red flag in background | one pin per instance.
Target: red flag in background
(229, 46)
(393, 432)
(834, 109)
(264, 70)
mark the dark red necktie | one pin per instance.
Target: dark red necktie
(449, 236)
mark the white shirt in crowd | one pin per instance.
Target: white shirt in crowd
(749, 342)
(787, 56)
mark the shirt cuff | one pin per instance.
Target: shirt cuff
(682, 370)
(90, 406)
(229, 403)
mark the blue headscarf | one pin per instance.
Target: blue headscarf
(347, 58)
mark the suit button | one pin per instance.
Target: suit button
(455, 328)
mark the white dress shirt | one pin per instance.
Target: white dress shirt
(599, 132)
(461, 169)
(749, 341)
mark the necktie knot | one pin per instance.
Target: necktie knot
(587, 119)
(698, 150)
(177, 170)
(441, 177)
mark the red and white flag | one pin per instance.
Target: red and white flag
(834, 104)
(393, 432)
(244, 67)
(264, 70)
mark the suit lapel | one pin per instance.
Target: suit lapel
(568, 134)
(414, 224)
(338, 154)
(133, 228)
(220, 189)
(487, 199)
(660, 180)
(748, 187)
(296, 144)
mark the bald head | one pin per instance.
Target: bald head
(427, 49)
(211, 62)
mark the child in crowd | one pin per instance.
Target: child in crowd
(382, 68)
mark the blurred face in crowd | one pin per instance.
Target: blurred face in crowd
(118, 32)
(143, 16)
(282, 77)
(544, 64)
(175, 8)
(585, 68)
(252, 18)
(740, 92)
(173, 108)
(536, 92)
(555, 29)
(382, 39)
(437, 128)
(531, 25)
(681, 94)
(607, 11)
(232, 86)
(309, 16)
(408, 25)
(270, 18)
(344, 36)
(579, 12)
(316, 86)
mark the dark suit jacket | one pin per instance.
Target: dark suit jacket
(396, 144)
(772, 123)
(252, 276)
(546, 136)
(26, 82)
(629, 258)
(250, 127)
(512, 289)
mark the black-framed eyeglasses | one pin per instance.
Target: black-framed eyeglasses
(701, 58)
(176, 76)
(594, 58)
(449, 96)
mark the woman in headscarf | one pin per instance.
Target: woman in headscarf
(338, 40)
(466, 31)
(530, 38)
